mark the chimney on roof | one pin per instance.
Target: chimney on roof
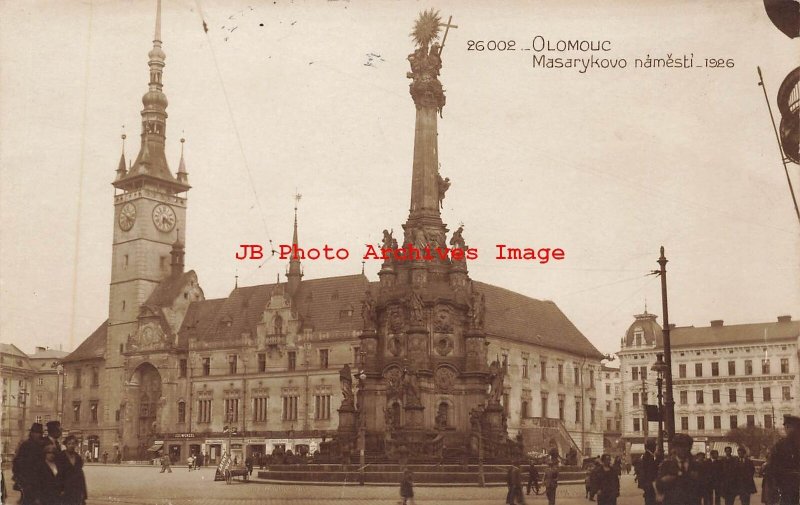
(716, 323)
(43, 349)
(784, 319)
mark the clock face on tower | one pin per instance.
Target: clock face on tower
(127, 216)
(164, 217)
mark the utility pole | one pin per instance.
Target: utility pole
(646, 422)
(669, 402)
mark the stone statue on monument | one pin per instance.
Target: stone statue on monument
(426, 62)
(346, 380)
(368, 313)
(497, 374)
(389, 241)
(478, 309)
(457, 240)
(443, 185)
(410, 389)
(415, 308)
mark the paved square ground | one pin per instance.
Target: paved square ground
(138, 485)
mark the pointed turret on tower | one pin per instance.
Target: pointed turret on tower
(294, 274)
(122, 170)
(183, 176)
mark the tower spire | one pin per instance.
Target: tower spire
(151, 160)
(183, 176)
(122, 170)
(294, 274)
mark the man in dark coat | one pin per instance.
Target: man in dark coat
(648, 472)
(729, 486)
(70, 467)
(533, 478)
(607, 482)
(784, 463)
(746, 470)
(714, 475)
(54, 434)
(24, 468)
(514, 482)
(49, 486)
(678, 477)
(706, 487)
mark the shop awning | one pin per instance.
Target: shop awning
(156, 447)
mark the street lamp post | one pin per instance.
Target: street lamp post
(659, 368)
(669, 401)
(231, 430)
(362, 376)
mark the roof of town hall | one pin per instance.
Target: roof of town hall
(93, 347)
(333, 304)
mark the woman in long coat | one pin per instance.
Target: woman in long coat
(72, 477)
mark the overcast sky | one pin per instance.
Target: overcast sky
(279, 97)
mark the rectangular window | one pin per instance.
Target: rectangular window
(643, 372)
(635, 399)
(766, 394)
(181, 412)
(786, 393)
(635, 373)
(206, 366)
(636, 424)
(717, 422)
(734, 422)
(748, 367)
(731, 396)
(322, 405)
(682, 371)
(76, 412)
(784, 365)
(715, 396)
(357, 355)
(748, 395)
(699, 397)
(684, 395)
(95, 377)
(685, 423)
(260, 409)
(77, 380)
(608, 389)
(578, 405)
(561, 401)
(204, 411)
(715, 369)
(701, 422)
(767, 421)
(289, 408)
(40, 381)
(233, 363)
(731, 368)
(698, 369)
(323, 358)
(751, 420)
(93, 412)
(231, 410)
(262, 362)
(608, 424)
(592, 407)
(543, 368)
(561, 373)
(524, 368)
(38, 400)
(544, 405)
(591, 379)
(576, 376)
(608, 406)
(765, 367)
(292, 360)
(183, 368)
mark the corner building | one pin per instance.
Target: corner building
(724, 377)
(171, 369)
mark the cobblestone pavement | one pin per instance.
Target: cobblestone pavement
(146, 486)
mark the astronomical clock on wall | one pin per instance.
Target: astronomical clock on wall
(164, 217)
(127, 216)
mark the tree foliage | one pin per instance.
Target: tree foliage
(755, 439)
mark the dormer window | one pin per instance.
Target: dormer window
(638, 337)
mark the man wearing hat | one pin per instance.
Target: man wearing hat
(784, 463)
(26, 463)
(54, 434)
(678, 480)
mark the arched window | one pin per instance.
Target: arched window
(524, 410)
(181, 411)
(442, 415)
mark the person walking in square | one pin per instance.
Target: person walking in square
(746, 471)
(70, 465)
(648, 472)
(551, 481)
(407, 488)
(607, 482)
(514, 483)
(165, 464)
(533, 478)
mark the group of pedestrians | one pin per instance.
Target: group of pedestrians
(681, 479)
(602, 482)
(47, 473)
(549, 482)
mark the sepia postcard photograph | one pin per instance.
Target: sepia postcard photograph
(399, 251)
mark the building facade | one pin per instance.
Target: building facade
(260, 368)
(611, 390)
(724, 377)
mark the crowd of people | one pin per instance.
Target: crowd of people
(47, 473)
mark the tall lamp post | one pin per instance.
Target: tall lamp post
(362, 376)
(230, 430)
(669, 401)
(659, 367)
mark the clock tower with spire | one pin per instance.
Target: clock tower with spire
(149, 214)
